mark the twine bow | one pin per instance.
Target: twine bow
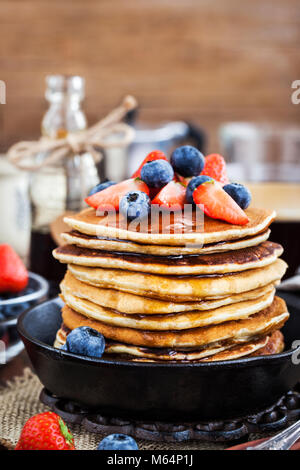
(97, 136)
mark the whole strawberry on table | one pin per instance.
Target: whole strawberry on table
(13, 282)
(189, 178)
(45, 431)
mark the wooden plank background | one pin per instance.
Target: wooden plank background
(206, 60)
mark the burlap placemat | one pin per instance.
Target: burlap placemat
(19, 400)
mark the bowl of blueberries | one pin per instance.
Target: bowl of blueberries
(19, 291)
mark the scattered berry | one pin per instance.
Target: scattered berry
(239, 193)
(118, 442)
(99, 187)
(45, 431)
(157, 174)
(215, 167)
(216, 203)
(187, 161)
(171, 196)
(13, 273)
(135, 205)
(86, 341)
(109, 198)
(15, 310)
(193, 184)
(154, 155)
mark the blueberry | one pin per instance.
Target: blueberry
(99, 187)
(239, 193)
(28, 290)
(157, 173)
(135, 204)
(187, 161)
(15, 310)
(118, 442)
(193, 184)
(64, 347)
(85, 341)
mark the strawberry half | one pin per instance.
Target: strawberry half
(171, 196)
(45, 431)
(109, 198)
(13, 273)
(215, 167)
(216, 203)
(154, 155)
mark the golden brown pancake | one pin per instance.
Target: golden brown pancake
(180, 288)
(174, 321)
(131, 304)
(106, 244)
(259, 324)
(274, 346)
(227, 262)
(180, 229)
(221, 351)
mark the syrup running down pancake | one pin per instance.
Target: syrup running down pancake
(227, 262)
(137, 304)
(180, 288)
(181, 230)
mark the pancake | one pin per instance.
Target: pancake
(274, 346)
(131, 304)
(184, 288)
(175, 321)
(177, 228)
(259, 324)
(227, 262)
(213, 353)
(109, 244)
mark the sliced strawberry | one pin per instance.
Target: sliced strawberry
(183, 179)
(153, 192)
(13, 273)
(109, 198)
(171, 196)
(215, 167)
(154, 155)
(216, 203)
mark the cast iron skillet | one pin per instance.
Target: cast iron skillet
(164, 392)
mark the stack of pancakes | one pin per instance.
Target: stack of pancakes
(163, 294)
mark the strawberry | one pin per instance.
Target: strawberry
(215, 167)
(45, 431)
(154, 155)
(109, 198)
(216, 203)
(183, 180)
(13, 273)
(171, 196)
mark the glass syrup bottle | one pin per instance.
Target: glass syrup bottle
(64, 185)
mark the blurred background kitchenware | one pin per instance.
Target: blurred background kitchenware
(121, 163)
(14, 208)
(11, 306)
(267, 158)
